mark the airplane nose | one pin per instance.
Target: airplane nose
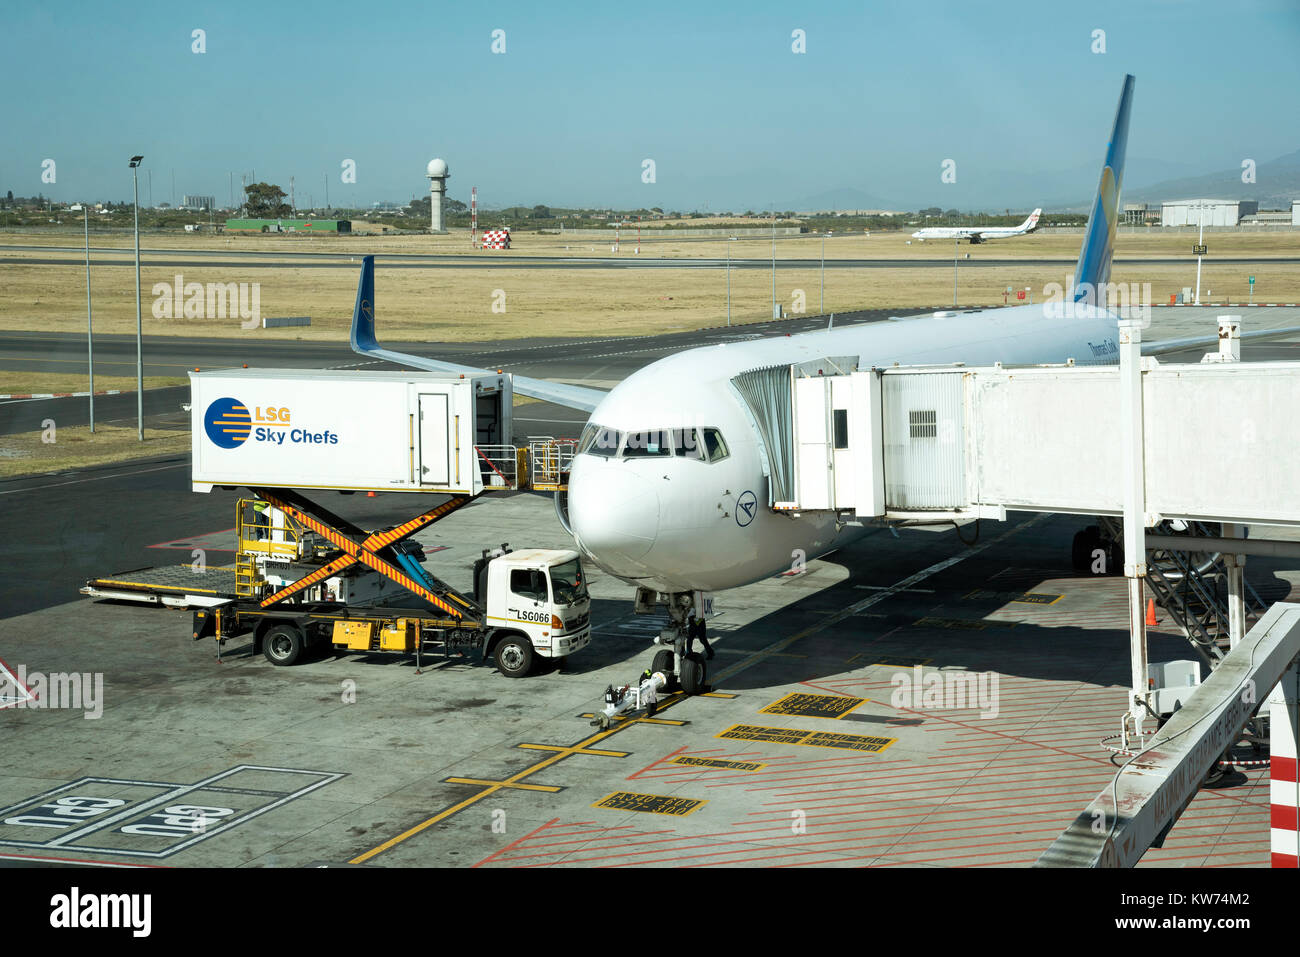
(614, 513)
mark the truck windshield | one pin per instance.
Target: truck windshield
(568, 584)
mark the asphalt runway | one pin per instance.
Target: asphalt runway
(509, 259)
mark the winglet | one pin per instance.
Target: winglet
(363, 316)
(1093, 270)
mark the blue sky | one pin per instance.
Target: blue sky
(586, 91)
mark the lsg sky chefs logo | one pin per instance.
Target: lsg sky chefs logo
(230, 423)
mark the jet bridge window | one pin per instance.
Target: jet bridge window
(643, 444)
(598, 440)
(840, 427)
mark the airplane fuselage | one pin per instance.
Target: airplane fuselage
(682, 522)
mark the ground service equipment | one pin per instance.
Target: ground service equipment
(305, 577)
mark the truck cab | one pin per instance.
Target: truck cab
(535, 602)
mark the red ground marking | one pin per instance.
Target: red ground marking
(517, 841)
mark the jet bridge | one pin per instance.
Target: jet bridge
(952, 442)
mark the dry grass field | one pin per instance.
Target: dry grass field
(42, 382)
(457, 303)
(30, 453)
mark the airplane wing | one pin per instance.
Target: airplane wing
(1178, 345)
(364, 342)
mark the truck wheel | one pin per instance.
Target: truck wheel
(663, 662)
(693, 673)
(282, 645)
(514, 656)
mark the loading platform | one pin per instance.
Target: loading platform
(175, 586)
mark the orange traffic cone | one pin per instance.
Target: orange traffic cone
(370, 495)
(1151, 612)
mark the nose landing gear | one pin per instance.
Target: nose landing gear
(691, 669)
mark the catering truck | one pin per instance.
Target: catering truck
(290, 592)
(305, 576)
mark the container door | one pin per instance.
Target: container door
(435, 453)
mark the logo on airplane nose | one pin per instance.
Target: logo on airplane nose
(746, 507)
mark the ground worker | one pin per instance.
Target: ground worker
(261, 520)
(695, 629)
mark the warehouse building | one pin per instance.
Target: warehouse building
(1206, 212)
(288, 225)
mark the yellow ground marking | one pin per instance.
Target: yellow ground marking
(572, 749)
(503, 784)
(717, 763)
(801, 704)
(650, 803)
(619, 717)
(490, 788)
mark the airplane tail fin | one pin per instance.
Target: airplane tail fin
(1093, 270)
(363, 316)
(365, 343)
(1030, 224)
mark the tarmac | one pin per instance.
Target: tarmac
(820, 742)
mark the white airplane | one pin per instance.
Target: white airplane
(979, 234)
(671, 487)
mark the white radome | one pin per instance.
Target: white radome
(437, 169)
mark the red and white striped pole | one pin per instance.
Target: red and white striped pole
(473, 216)
(618, 227)
(1284, 786)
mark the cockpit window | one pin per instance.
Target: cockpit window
(715, 447)
(642, 444)
(704, 445)
(598, 440)
(686, 444)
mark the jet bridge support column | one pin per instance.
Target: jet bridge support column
(1284, 786)
(1235, 564)
(1135, 520)
(1149, 793)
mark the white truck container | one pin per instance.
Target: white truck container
(333, 429)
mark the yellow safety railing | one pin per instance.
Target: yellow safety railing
(549, 463)
(266, 530)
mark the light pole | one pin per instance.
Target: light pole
(821, 305)
(90, 339)
(728, 280)
(139, 322)
(773, 262)
(1200, 241)
(956, 243)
